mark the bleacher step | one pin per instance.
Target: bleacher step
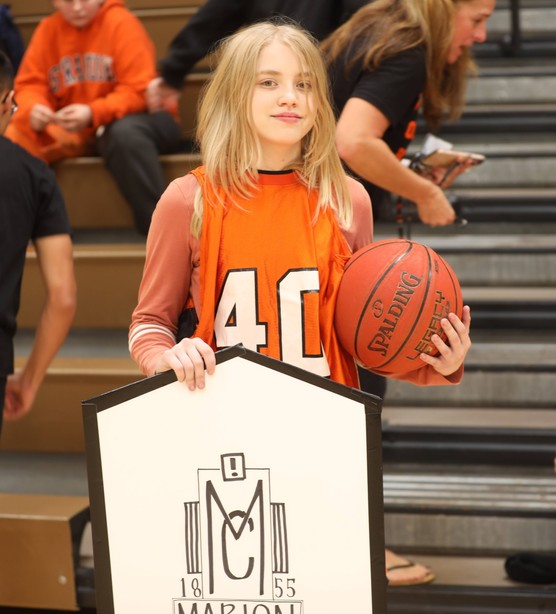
(505, 368)
(529, 208)
(43, 473)
(512, 307)
(481, 510)
(38, 534)
(499, 145)
(509, 418)
(497, 386)
(512, 169)
(469, 584)
(108, 278)
(504, 86)
(105, 207)
(535, 17)
(511, 294)
(508, 118)
(469, 435)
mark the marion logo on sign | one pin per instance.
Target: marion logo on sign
(236, 545)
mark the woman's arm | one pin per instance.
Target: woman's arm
(359, 138)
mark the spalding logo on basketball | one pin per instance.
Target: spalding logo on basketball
(391, 299)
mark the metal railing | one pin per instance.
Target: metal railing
(514, 44)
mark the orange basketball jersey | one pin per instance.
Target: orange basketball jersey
(270, 275)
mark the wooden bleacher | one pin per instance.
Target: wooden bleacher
(37, 560)
(105, 207)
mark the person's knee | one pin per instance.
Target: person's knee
(126, 136)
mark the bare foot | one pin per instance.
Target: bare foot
(402, 572)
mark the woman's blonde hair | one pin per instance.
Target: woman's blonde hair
(384, 28)
(228, 142)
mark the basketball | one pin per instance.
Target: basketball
(391, 299)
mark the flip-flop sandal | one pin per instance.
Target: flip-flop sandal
(429, 577)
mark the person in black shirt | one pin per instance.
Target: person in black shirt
(217, 19)
(31, 208)
(392, 58)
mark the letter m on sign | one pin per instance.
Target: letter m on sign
(237, 548)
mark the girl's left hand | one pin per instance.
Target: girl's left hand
(451, 353)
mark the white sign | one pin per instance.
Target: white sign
(250, 496)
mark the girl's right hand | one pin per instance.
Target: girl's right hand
(188, 359)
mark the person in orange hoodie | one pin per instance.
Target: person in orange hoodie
(81, 89)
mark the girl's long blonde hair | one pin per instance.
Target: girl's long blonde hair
(384, 28)
(228, 142)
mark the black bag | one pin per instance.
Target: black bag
(532, 568)
(187, 324)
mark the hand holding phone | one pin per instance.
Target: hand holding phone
(444, 166)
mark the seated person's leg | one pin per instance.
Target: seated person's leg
(131, 147)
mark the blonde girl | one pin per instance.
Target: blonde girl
(250, 247)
